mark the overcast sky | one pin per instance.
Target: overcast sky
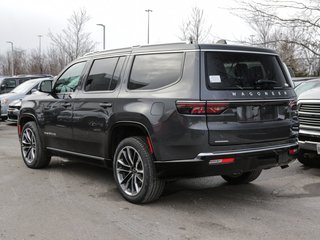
(125, 20)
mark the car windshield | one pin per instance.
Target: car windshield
(24, 87)
(226, 70)
(305, 86)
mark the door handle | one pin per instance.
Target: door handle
(67, 104)
(105, 105)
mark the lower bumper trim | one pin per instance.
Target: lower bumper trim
(202, 156)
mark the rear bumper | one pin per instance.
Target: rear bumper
(307, 145)
(309, 139)
(244, 160)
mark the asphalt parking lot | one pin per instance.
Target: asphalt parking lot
(70, 200)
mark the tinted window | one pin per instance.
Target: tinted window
(101, 73)
(69, 80)
(155, 71)
(10, 83)
(243, 71)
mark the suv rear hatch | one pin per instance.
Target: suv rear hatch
(248, 98)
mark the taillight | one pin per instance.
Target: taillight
(293, 151)
(216, 108)
(193, 108)
(198, 107)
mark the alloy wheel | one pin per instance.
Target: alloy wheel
(130, 170)
(29, 146)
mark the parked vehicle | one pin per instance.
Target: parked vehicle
(19, 92)
(307, 85)
(309, 111)
(9, 83)
(14, 110)
(299, 80)
(164, 111)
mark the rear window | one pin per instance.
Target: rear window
(155, 70)
(226, 70)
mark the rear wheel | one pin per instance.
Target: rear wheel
(33, 151)
(246, 177)
(308, 158)
(135, 173)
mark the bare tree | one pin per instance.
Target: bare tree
(291, 27)
(20, 61)
(54, 61)
(195, 29)
(5, 63)
(302, 17)
(74, 41)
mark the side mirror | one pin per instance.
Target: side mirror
(46, 86)
(33, 90)
(3, 87)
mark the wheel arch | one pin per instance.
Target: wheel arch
(23, 119)
(125, 129)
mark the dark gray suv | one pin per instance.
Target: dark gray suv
(165, 111)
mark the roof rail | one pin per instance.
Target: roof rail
(106, 51)
(159, 44)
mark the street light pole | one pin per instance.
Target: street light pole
(104, 34)
(148, 11)
(12, 58)
(40, 59)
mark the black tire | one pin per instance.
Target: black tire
(134, 171)
(308, 159)
(33, 151)
(242, 178)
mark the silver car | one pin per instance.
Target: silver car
(17, 93)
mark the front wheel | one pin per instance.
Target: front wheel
(243, 177)
(135, 173)
(32, 149)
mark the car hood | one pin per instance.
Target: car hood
(11, 96)
(312, 94)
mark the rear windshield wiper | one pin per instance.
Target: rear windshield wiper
(265, 81)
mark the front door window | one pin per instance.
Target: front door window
(70, 79)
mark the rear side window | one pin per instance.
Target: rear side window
(102, 75)
(226, 70)
(155, 70)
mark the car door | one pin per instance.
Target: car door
(57, 110)
(94, 106)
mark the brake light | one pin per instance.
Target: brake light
(197, 108)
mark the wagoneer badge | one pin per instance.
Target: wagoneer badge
(263, 93)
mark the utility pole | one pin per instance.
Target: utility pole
(148, 11)
(104, 34)
(12, 58)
